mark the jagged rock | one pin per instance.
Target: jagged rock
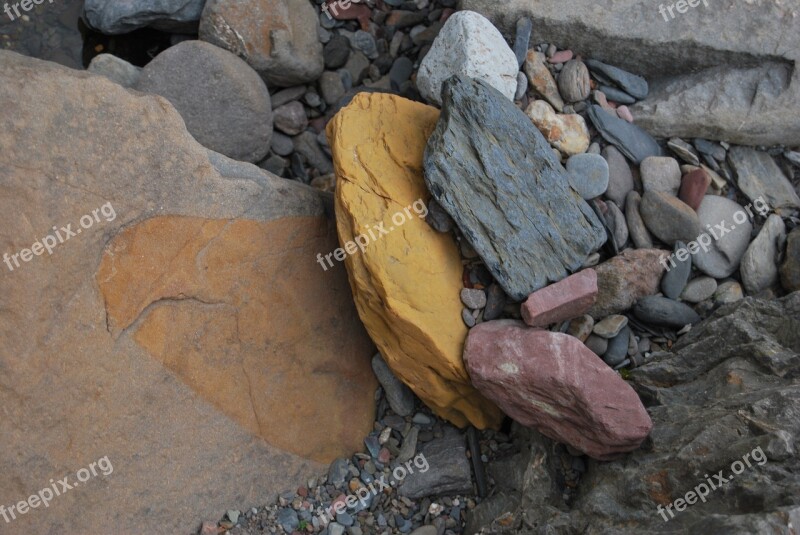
(406, 283)
(481, 140)
(123, 16)
(166, 335)
(738, 85)
(552, 382)
(728, 392)
(278, 38)
(468, 45)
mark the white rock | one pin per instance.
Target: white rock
(468, 44)
(759, 267)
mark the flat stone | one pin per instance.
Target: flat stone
(481, 139)
(634, 85)
(468, 45)
(541, 79)
(790, 269)
(448, 469)
(566, 132)
(399, 396)
(685, 152)
(627, 277)
(573, 81)
(620, 178)
(553, 383)
(632, 141)
(285, 96)
(278, 38)
(674, 280)
(581, 327)
(616, 95)
(664, 312)
(588, 175)
(669, 218)
(616, 222)
(566, 299)
(116, 69)
(610, 326)
(637, 230)
(337, 52)
(198, 340)
(596, 344)
(759, 177)
(113, 18)
(759, 265)
(406, 284)
(694, 186)
(522, 37)
(721, 258)
(223, 102)
(661, 173)
(699, 289)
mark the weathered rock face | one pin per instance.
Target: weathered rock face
(278, 38)
(554, 383)
(223, 102)
(406, 283)
(166, 334)
(468, 44)
(738, 85)
(481, 143)
(625, 278)
(123, 16)
(728, 390)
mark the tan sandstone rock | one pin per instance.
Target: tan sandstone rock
(186, 333)
(406, 282)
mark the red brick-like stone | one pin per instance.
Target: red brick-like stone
(566, 299)
(555, 384)
(693, 187)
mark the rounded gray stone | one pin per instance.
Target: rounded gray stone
(224, 103)
(588, 175)
(664, 312)
(699, 289)
(661, 173)
(721, 258)
(620, 178)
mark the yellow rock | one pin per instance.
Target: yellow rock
(406, 282)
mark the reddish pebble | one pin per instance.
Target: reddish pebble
(624, 113)
(340, 11)
(302, 492)
(564, 300)
(693, 187)
(562, 56)
(446, 12)
(384, 456)
(209, 528)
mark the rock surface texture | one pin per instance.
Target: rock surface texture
(552, 382)
(406, 283)
(727, 391)
(490, 168)
(739, 85)
(166, 334)
(278, 38)
(469, 45)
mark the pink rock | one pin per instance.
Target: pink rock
(566, 299)
(562, 56)
(350, 11)
(694, 186)
(555, 384)
(209, 528)
(625, 114)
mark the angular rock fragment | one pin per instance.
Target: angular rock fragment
(494, 173)
(554, 383)
(627, 277)
(759, 177)
(564, 300)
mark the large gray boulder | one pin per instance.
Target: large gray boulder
(720, 72)
(492, 170)
(724, 402)
(123, 16)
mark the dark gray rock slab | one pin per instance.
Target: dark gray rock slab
(632, 84)
(448, 469)
(399, 396)
(664, 312)
(492, 170)
(674, 280)
(631, 140)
